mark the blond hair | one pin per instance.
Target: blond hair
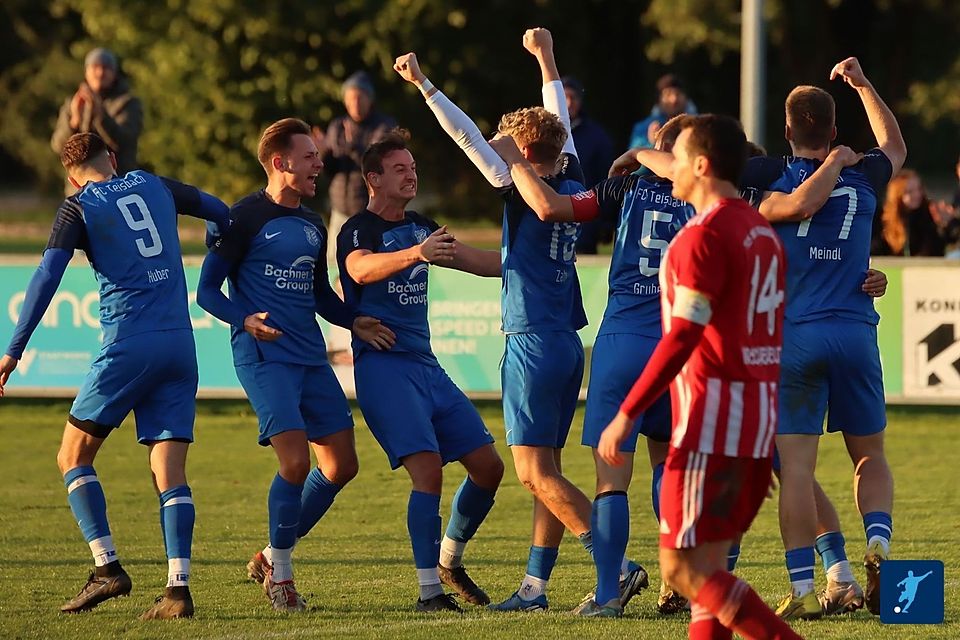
(535, 128)
(894, 211)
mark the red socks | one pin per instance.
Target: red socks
(705, 626)
(738, 607)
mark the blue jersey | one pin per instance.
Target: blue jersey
(648, 217)
(827, 255)
(541, 291)
(277, 265)
(128, 229)
(400, 301)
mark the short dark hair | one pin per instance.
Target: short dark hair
(277, 138)
(80, 149)
(811, 115)
(722, 141)
(372, 161)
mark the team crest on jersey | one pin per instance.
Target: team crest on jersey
(420, 234)
(312, 236)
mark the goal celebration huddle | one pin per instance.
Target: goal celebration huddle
(739, 321)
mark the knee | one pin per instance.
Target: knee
(342, 471)
(295, 470)
(489, 474)
(70, 457)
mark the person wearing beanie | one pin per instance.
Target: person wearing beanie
(103, 104)
(342, 147)
(672, 99)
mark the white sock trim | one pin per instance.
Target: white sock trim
(82, 480)
(103, 551)
(451, 552)
(531, 587)
(178, 572)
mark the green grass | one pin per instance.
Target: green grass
(355, 568)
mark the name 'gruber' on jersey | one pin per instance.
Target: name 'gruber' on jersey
(760, 356)
(298, 277)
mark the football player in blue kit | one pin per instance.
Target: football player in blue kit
(414, 410)
(830, 353)
(127, 226)
(647, 218)
(542, 310)
(273, 257)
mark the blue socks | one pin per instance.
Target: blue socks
(283, 504)
(423, 525)
(177, 515)
(655, 489)
(471, 504)
(610, 524)
(733, 554)
(830, 546)
(878, 526)
(89, 507)
(800, 563)
(318, 494)
(540, 564)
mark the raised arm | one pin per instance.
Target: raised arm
(813, 193)
(882, 121)
(455, 123)
(539, 42)
(365, 266)
(659, 162)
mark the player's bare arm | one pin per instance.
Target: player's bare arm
(810, 196)
(659, 162)
(365, 266)
(882, 121)
(409, 69)
(479, 262)
(549, 205)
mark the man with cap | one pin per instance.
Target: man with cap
(346, 139)
(596, 154)
(103, 105)
(342, 147)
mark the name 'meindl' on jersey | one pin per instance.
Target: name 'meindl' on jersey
(399, 301)
(127, 226)
(277, 256)
(648, 217)
(540, 290)
(827, 255)
(725, 270)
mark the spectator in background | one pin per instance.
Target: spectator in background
(910, 225)
(595, 150)
(103, 105)
(672, 100)
(343, 145)
(956, 194)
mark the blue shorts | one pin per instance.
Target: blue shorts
(289, 396)
(831, 363)
(153, 374)
(412, 406)
(616, 363)
(540, 376)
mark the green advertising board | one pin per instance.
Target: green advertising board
(464, 320)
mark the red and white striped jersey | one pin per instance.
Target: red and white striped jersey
(725, 270)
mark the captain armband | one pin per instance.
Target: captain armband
(691, 305)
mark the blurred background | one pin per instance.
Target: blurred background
(210, 74)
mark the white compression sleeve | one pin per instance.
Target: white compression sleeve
(466, 134)
(555, 101)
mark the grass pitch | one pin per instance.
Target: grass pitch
(355, 568)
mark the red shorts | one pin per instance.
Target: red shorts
(708, 498)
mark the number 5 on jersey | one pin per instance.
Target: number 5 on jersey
(764, 299)
(145, 223)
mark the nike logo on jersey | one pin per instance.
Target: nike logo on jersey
(387, 244)
(270, 236)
